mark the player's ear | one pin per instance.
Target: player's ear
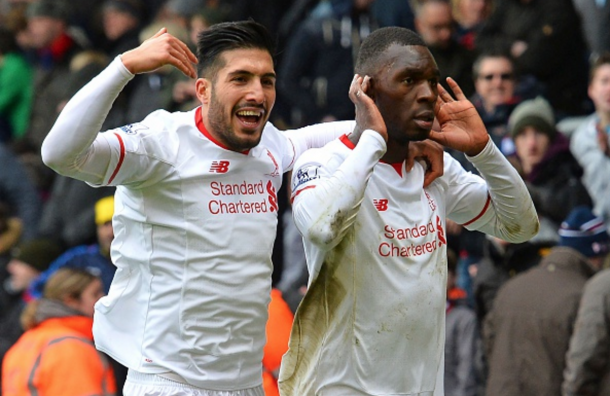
(203, 87)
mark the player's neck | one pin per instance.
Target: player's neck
(396, 152)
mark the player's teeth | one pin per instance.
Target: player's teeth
(248, 113)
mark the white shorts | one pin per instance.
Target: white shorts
(140, 384)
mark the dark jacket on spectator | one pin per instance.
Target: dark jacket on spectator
(18, 192)
(556, 52)
(526, 334)
(588, 359)
(318, 64)
(555, 184)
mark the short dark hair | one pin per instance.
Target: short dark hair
(493, 53)
(379, 41)
(600, 60)
(229, 36)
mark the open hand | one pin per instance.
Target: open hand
(160, 50)
(367, 113)
(461, 127)
(432, 154)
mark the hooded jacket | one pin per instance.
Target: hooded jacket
(57, 358)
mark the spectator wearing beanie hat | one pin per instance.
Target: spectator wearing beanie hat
(587, 234)
(94, 258)
(544, 159)
(528, 330)
(28, 260)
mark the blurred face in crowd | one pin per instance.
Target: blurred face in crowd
(197, 24)
(599, 89)
(42, 31)
(434, 23)
(531, 145)
(86, 301)
(473, 12)
(495, 82)
(105, 235)
(362, 4)
(22, 274)
(117, 22)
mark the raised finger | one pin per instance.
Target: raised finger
(159, 33)
(366, 83)
(444, 95)
(190, 55)
(181, 62)
(457, 91)
(355, 88)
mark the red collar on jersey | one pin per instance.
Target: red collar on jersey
(207, 134)
(397, 165)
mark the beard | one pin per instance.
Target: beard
(219, 121)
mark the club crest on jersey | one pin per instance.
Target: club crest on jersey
(431, 202)
(275, 172)
(133, 129)
(306, 174)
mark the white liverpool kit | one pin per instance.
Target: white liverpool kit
(194, 228)
(372, 321)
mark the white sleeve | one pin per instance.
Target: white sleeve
(509, 212)
(72, 147)
(327, 193)
(315, 136)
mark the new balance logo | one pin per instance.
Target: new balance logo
(381, 204)
(219, 167)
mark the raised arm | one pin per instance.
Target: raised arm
(328, 189)
(509, 213)
(71, 147)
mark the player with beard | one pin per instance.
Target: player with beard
(372, 321)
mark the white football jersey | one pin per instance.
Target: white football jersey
(372, 321)
(194, 228)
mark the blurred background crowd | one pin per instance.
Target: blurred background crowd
(526, 319)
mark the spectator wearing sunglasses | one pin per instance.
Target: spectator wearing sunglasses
(495, 98)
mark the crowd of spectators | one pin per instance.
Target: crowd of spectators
(537, 71)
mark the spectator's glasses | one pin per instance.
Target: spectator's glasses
(503, 76)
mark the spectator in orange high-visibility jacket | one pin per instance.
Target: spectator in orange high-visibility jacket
(278, 333)
(56, 355)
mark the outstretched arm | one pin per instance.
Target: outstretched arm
(71, 147)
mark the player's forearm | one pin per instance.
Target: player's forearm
(324, 214)
(514, 216)
(70, 143)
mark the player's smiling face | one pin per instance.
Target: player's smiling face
(239, 100)
(405, 91)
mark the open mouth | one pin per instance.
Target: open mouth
(425, 119)
(250, 118)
